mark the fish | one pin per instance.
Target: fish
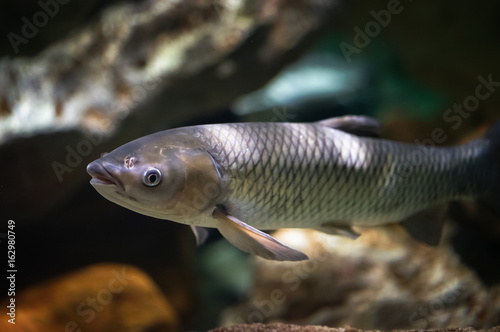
(330, 175)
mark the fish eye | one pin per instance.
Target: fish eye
(152, 177)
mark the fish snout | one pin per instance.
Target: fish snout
(100, 175)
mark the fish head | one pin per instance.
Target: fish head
(158, 178)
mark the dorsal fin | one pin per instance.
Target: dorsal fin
(354, 124)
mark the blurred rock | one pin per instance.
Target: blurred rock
(65, 17)
(383, 280)
(102, 297)
(163, 62)
(297, 328)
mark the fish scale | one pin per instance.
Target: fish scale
(329, 175)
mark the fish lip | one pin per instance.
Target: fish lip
(101, 176)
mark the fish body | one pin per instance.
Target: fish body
(328, 175)
(303, 175)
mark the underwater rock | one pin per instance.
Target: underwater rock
(383, 280)
(278, 327)
(163, 62)
(102, 297)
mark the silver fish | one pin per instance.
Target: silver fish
(330, 175)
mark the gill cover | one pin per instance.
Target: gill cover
(202, 184)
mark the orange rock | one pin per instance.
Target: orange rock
(102, 297)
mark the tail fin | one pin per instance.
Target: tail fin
(492, 198)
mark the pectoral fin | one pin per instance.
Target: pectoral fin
(200, 233)
(427, 225)
(336, 229)
(252, 240)
(354, 124)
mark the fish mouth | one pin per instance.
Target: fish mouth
(101, 176)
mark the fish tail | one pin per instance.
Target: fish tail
(492, 197)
